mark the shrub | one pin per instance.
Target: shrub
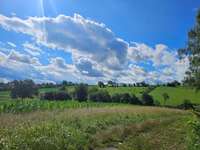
(55, 96)
(147, 99)
(81, 92)
(125, 98)
(116, 98)
(100, 96)
(135, 100)
(62, 96)
(186, 105)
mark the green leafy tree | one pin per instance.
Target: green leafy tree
(165, 97)
(81, 92)
(101, 84)
(23, 89)
(192, 51)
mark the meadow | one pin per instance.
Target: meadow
(91, 128)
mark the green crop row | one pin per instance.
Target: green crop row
(27, 105)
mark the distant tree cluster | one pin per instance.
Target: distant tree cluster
(47, 85)
(68, 83)
(115, 84)
(104, 96)
(64, 84)
(101, 84)
(80, 94)
(23, 89)
(55, 85)
(125, 98)
(174, 83)
(137, 84)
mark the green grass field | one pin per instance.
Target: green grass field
(131, 90)
(57, 125)
(176, 95)
(120, 127)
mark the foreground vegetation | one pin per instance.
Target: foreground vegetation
(85, 117)
(120, 127)
(90, 118)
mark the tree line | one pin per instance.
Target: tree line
(28, 89)
(81, 93)
(137, 84)
(101, 84)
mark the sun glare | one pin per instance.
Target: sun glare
(41, 7)
(42, 14)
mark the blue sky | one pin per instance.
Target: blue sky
(86, 41)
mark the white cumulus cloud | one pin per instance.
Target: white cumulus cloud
(97, 53)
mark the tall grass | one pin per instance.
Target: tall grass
(80, 129)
